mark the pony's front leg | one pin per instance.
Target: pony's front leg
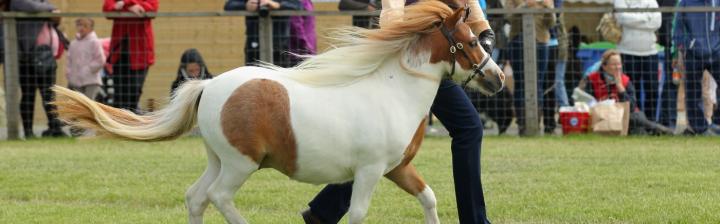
(365, 180)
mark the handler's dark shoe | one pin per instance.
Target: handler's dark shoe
(53, 133)
(310, 218)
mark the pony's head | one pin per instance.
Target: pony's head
(468, 63)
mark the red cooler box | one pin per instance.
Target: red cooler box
(575, 122)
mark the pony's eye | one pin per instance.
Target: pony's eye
(474, 43)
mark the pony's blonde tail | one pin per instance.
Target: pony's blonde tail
(178, 117)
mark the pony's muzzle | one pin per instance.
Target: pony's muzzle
(491, 79)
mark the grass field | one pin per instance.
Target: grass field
(582, 179)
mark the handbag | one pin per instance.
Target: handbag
(610, 118)
(609, 28)
(42, 58)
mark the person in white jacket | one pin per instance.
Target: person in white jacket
(454, 109)
(638, 52)
(85, 60)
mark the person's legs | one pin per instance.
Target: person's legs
(136, 80)
(515, 55)
(693, 94)
(633, 68)
(332, 202)
(560, 92)
(128, 88)
(638, 120)
(121, 85)
(649, 70)
(455, 111)
(546, 104)
(668, 99)
(121, 79)
(28, 86)
(46, 81)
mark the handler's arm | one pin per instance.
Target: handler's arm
(480, 26)
(477, 19)
(392, 10)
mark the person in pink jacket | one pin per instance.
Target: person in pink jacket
(85, 60)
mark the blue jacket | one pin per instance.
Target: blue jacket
(698, 33)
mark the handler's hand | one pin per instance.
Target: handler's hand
(487, 40)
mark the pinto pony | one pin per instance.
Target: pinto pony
(356, 112)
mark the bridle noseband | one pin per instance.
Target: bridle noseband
(454, 47)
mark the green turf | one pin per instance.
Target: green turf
(581, 179)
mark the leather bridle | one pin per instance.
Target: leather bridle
(455, 46)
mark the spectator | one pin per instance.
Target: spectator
(39, 47)
(85, 60)
(132, 50)
(668, 95)
(368, 22)
(192, 66)
(611, 83)
(638, 52)
(543, 23)
(302, 34)
(697, 36)
(561, 53)
(280, 27)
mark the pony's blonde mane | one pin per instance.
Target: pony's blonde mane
(359, 52)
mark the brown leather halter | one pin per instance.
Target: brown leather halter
(455, 46)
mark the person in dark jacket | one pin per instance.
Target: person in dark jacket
(192, 66)
(281, 28)
(132, 50)
(697, 36)
(369, 22)
(38, 41)
(611, 83)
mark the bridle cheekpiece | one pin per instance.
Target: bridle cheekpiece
(457, 46)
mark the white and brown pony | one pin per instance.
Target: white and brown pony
(356, 112)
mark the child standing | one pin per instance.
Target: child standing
(85, 60)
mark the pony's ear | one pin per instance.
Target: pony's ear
(456, 17)
(467, 13)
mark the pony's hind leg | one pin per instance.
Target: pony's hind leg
(233, 173)
(196, 199)
(407, 178)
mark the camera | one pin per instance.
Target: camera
(610, 79)
(263, 10)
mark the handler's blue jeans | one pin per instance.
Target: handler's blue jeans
(454, 109)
